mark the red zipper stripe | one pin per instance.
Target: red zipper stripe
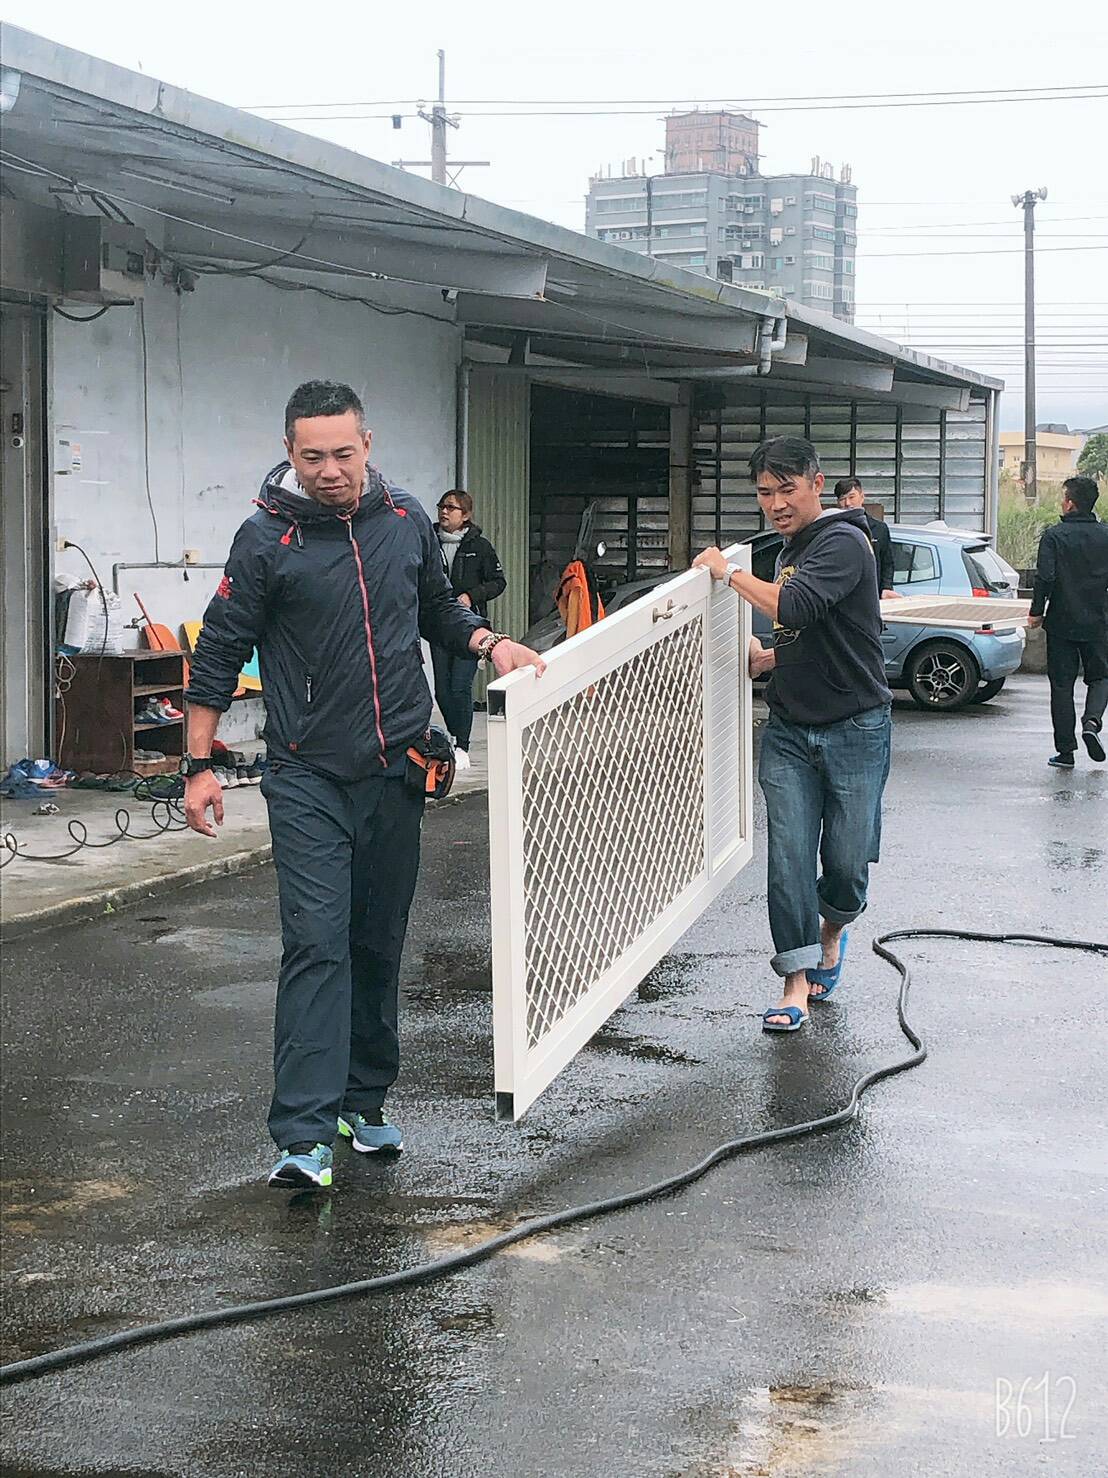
(368, 640)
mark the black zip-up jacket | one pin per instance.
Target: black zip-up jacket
(336, 605)
(827, 638)
(1071, 578)
(882, 542)
(476, 570)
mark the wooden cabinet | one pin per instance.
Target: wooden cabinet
(96, 720)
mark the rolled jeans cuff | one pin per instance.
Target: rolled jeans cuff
(789, 961)
(838, 916)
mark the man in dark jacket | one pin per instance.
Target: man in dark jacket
(476, 577)
(825, 753)
(1070, 601)
(334, 580)
(849, 494)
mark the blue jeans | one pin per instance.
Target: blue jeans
(823, 787)
(454, 691)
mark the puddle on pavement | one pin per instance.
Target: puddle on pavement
(1034, 1304)
(446, 977)
(638, 1047)
(477, 1319)
(1062, 857)
(808, 1431)
(225, 945)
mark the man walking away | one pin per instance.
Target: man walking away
(825, 751)
(476, 578)
(1070, 602)
(334, 580)
(849, 494)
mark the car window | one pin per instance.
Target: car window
(912, 563)
(763, 560)
(986, 571)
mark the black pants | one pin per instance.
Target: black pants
(1064, 660)
(454, 691)
(347, 857)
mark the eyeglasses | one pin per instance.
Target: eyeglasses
(451, 508)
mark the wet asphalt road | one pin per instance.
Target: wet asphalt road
(845, 1305)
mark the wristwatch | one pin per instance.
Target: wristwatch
(190, 765)
(730, 570)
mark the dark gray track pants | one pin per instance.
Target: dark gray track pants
(347, 857)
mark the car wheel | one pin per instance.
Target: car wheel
(988, 690)
(942, 676)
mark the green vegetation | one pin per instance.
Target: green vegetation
(1021, 523)
(1093, 461)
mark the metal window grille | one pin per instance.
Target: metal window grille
(921, 463)
(619, 806)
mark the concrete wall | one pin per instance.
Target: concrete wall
(221, 363)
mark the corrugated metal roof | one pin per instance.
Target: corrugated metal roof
(213, 184)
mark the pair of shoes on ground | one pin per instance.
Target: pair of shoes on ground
(306, 1166)
(1091, 738)
(232, 770)
(826, 979)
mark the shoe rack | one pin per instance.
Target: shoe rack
(95, 721)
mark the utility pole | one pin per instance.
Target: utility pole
(440, 120)
(1028, 200)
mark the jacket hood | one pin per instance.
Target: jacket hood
(279, 495)
(833, 518)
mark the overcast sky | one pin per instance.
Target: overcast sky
(939, 237)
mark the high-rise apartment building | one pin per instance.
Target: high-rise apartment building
(713, 212)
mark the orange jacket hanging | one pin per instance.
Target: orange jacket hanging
(578, 599)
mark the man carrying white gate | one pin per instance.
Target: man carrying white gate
(825, 752)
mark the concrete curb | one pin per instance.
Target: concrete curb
(74, 910)
(108, 900)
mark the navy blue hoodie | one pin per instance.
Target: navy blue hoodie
(336, 604)
(827, 637)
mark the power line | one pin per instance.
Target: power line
(989, 251)
(942, 225)
(716, 102)
(509, 112)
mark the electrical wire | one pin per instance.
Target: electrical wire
(165, 815)
(146, 425)
(827, 97)
(91, 318)
(840, 107)
(444, 1267)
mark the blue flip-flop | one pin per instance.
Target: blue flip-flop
(829, 979)
(796, 1016)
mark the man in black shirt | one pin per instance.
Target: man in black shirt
(825, 752)
(849, 494)
(1070, 601)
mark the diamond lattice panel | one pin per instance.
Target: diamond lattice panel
(613, 818)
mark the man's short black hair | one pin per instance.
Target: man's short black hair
(1082, 493)
(847, 485)
(321, 398)
(785, 456)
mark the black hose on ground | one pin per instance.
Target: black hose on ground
(443, 1266)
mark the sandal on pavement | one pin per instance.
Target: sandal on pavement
(829, 979)
(796, 1016)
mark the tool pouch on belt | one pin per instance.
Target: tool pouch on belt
(430, 767)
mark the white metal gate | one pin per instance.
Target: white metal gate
(619, 806)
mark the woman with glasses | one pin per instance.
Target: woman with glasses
(476, 576)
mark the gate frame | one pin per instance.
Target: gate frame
(514, 702)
